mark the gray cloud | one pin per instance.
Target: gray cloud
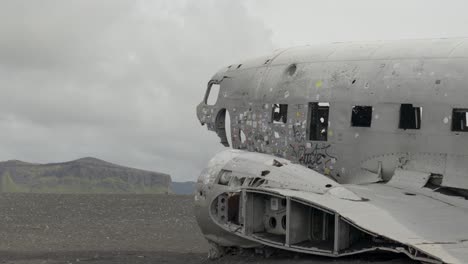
(300, 22)
(117, 79)
(120, 80)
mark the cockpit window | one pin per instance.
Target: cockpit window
(279, 113)
(224, 177)
(361, 116)
(460, 120)
(410, 117)
(318, 121)
(212, 93)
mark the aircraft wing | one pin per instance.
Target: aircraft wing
(419, 219)
(321, 216)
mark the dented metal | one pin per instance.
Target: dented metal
(343, 131)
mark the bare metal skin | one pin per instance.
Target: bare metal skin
(327, 128)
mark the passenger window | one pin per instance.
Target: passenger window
(361, 116)
(460, 120)
(279, 113)
(410, 117)
(318, 121)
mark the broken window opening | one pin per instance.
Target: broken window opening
(361, 116)
(318, 121)
(256, 182)
(236, 182)
(212, 93)
(460, 120)
(279, 113)
(223, 127)
(224, 177)
(410, 117)
(242, 180)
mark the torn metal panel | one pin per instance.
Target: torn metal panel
(409, 179)
(366, 176)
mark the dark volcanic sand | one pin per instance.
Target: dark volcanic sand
(53, 228)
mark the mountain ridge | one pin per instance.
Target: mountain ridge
(84, 175)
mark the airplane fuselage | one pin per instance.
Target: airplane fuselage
(431, 75)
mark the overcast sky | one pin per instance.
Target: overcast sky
(119, 80)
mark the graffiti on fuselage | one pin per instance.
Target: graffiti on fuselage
(315, 156)
(298, 132)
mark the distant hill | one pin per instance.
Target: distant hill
(183, 188)
(86, 175)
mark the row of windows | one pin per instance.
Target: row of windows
(361, 116)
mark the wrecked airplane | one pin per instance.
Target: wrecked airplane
(341, 149)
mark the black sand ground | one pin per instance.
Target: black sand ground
(51, 228)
